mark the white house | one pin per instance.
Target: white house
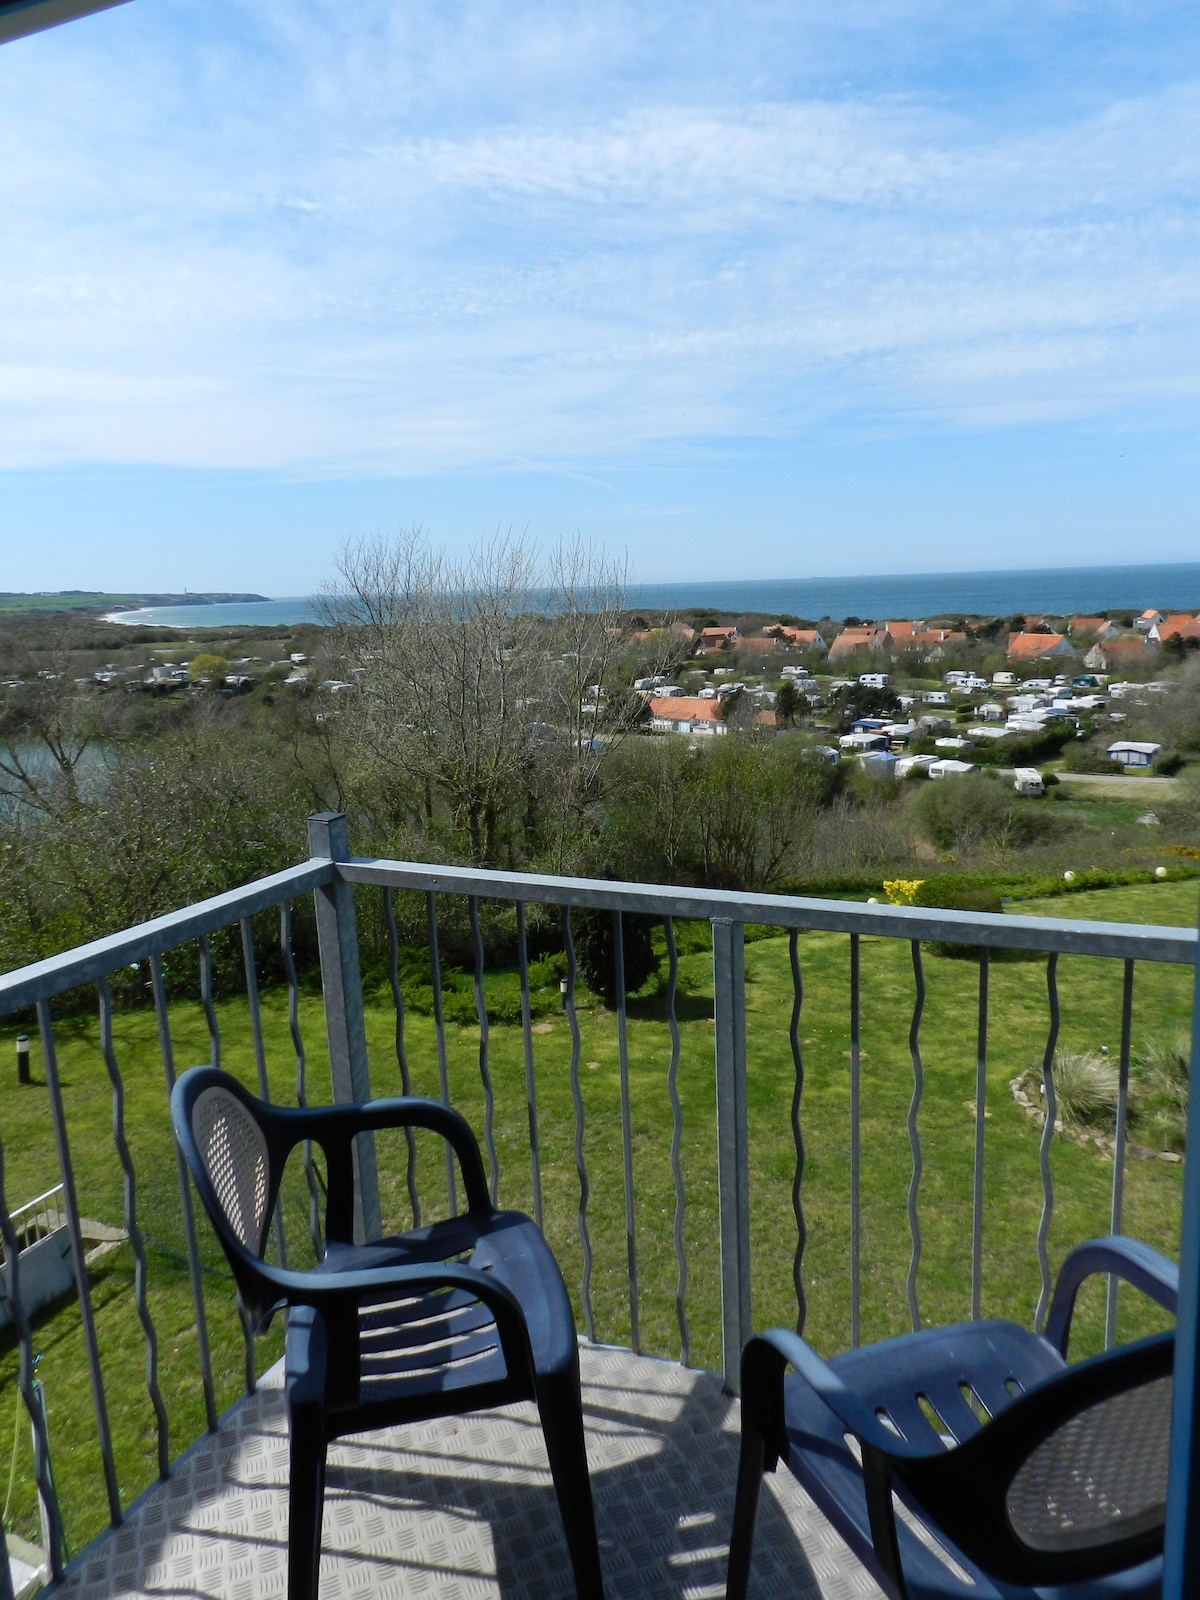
(1131, 753)
(686, 714)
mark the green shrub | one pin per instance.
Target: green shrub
(957, 892)
(595, 952)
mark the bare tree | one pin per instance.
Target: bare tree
(489, 687)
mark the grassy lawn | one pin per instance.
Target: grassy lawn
(1090, 993)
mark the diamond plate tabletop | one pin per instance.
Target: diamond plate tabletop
(464, 1509)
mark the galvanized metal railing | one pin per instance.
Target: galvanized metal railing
(38, 1217)
(334, 877)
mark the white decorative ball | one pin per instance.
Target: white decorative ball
(873, 900)
(1160, 872)
(1069, 877)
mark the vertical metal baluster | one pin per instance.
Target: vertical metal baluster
(914, 1136)
(585, 1191)
(1043, 1232)
(1118, 1186)
(206, 998)
(626, 1132)
(41, 1442)
(980, 1117)
(49, 1054)
(797, 1130)
(131, 1227)
(677, 1146)
(410, 1138)
(260, 1059)
(535, 1153)
(214, 1056)
(6, 1584)
(310, 1175)
(733, 1141)
(489, 1093)
(439, 1023)
(167, 1051)
(855, 1143)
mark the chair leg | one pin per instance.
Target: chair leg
(306, 1499)
(562, 1424)
(751, 1464)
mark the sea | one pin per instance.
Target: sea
(1053, 590)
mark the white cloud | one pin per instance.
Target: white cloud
(405, 239)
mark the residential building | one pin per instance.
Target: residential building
(685, 714)
(853, 641)
(1039, 646)
(1123, 650)
(717, 639)
(1179, 625)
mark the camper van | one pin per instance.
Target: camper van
(1027, 780)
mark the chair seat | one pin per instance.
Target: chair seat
(997, 1361)
(416, 1352)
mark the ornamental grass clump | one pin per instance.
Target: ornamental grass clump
(1086, 1088)
(1159, 1090)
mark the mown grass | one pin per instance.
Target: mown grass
(1090, 992)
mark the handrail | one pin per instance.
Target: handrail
(1059, 934)
(42, 980)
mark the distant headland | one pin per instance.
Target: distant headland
(94, 602)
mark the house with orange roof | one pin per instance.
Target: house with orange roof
(1177, 626)
(931, 642)
(751, 645)
(685, 714)
(717, 639)
(1148, 620)
(902, 634)
(681, 631)
(1039, 646)
(1096, 629)
(1122, 650)
(799, 638)
(852, 641)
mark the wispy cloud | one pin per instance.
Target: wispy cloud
(399, 240)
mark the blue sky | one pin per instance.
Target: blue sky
(754, 290)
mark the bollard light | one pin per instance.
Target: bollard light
(23, 1058)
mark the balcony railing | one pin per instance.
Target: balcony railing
(638, 1280)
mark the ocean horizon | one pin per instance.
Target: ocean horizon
(1056, 591)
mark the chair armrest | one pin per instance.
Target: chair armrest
(1136, 1263)
(763, 1363)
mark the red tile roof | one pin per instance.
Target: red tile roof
(684, 708)
(1031, 646)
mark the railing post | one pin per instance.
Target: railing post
(6, 1585)
(733, 1141)
(341, 981)
(1181, 1555)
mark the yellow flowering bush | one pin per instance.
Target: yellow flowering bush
(902, 891)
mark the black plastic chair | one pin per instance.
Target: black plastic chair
(456, 1316)
(1033, 1477)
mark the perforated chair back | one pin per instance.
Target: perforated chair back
(237, 1163)
(1099, 1478)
